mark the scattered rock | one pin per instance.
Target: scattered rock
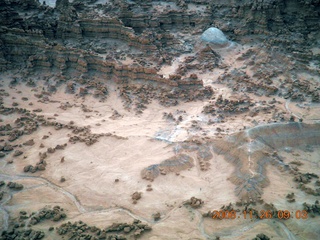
(261, 236)
(156, 216)
(29, 142)
(194, 202)
(17, 153)
(136, 196)
(14, 185)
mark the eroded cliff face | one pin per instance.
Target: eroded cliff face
(86, 36)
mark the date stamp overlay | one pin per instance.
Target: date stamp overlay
(262, 214)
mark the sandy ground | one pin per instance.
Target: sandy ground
(91, 194)
(90, 171)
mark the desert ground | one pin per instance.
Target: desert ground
(198, 140)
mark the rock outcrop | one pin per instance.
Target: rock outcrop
(72, 36)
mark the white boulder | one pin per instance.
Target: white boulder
(215, 36)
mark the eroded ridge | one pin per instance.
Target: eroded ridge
(188, 154)
(251, 150)
(174, 164)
